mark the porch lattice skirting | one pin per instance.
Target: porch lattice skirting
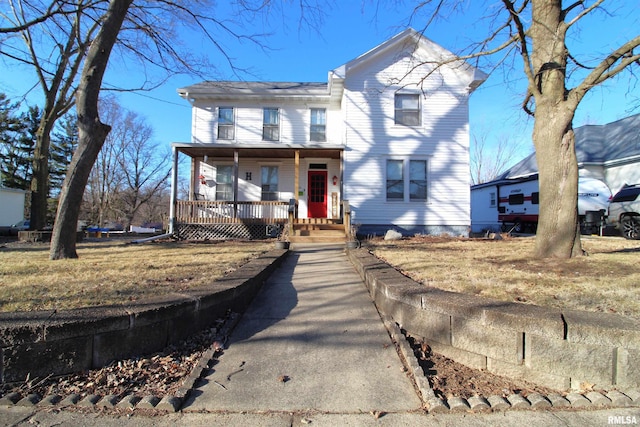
(221, 231)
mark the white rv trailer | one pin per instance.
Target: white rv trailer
(513, 204)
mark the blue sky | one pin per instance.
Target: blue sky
(351, 28)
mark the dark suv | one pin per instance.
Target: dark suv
(624, 211)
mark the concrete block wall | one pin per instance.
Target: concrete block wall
(37, 344)
(551, 347)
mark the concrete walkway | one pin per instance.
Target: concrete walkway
(311, 340)
(312, 350)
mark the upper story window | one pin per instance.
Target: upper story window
(318, 124)
(224, 182)
(226, 123)
(271, 124)
(407, 109)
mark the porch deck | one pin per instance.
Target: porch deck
(223, 220)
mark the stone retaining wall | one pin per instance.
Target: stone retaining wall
(36, 344)
(555, 348)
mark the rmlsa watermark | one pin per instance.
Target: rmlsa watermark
(622, 420)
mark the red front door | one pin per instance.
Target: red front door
(317, 194)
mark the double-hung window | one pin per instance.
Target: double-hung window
(407, 109)
(224, 182)
(407, 180)
(395, 180)
(226, 123)
(417, 180)
(269, 176)
(318, 124)
(271, 124)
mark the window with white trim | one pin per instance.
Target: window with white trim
(407, 180)
(417, 180)
(318, 130)
(407, 109)
(395, 179)
(269, 177)
(271, 124)
(226, 123)
(224, 182)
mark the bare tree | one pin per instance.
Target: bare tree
(540, 33)
(487, 162)
(54, 39)
(145, 167)
(106, 175)
(130, 169)
(91, 131)
(146, 31)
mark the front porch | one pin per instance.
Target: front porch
(242, 192)
(221, 220)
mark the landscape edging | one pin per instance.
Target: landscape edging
(38, 344)
(546, 346)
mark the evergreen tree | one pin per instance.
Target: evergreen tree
(10, 126)
(18, 142)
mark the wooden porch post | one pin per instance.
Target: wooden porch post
(236, 173)
(174, 190)
(296, 180)
(341, 187)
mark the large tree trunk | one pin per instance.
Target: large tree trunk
(558, 231)
(558, 234)
(39, 180)
(40, 169)
(91, 132)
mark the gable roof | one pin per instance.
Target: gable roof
(223, 89)
(411, 39)
(606, 145)
(332, 89)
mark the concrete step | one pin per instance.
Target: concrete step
(317, 239)
(309, 227)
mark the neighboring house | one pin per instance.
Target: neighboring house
(608, 153)
(384, 133)
(11, 206)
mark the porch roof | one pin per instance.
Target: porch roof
(259, 151)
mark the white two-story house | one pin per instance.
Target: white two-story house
(388, 133)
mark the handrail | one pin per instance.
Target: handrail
(213, 212)
(346, 211)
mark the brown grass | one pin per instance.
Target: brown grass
(112, 272)
(607, 280)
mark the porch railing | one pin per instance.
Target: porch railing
(227, 212)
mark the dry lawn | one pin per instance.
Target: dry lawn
(607, 280)
(112, 272)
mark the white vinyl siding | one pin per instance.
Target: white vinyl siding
(372, 137)
(294, 124)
